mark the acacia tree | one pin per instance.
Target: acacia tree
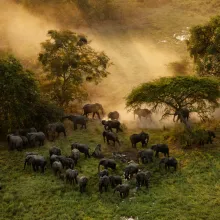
(204, 46)
(171, 94)
(69, 61)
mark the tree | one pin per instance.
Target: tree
(171, 94)
(204, 46)
(69, 61)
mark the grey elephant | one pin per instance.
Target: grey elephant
(110, 136)
(37, 161)
(145, 155)
(98, 152)
(141, 137)
(142, 179)
(103, 173)
(206, 137)
(82, 183)
(142, 113)
(24, 131)
(54, 150)
(107, 163)
(115, 180)
(181, 114)
(123, 189)
(113, 115)
(130, 170)
(55, 128)
(53, 158)
(66, 162)
(169, 162)
(36, 137)
(77, 120)
(108, 125)
(163, 148)
(75, 155)
(103, 182)
(83, 148)
(71, 176)
(14, 142)
(93, 108)
(57, 167)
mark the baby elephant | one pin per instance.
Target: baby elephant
(71, 176)
(83, 183)
(115, 180)
(103, 182)
(145, 155)
(110, 136)
(57, 167)
(130, 170)
(54, 150)
(75, 155)
(83, 148)
(123, 189)
(103, 173)
(142, 179)
(108, 125)
(163, 148)
(169, 162)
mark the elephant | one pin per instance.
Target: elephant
(97, 152)
(163, 148)
(82, 41)
(14, 142)
(169, 162)
(103, 182)
(107, 163)
(123, 189)
(182, 114)
(83, 148)
(82, 183)
(54, 150)
(54, 128)
(36, 161)
(75, 155)
(66, 162)
(145, 155)
(115, 180)
(108, 125)
(23, 132)
(93, 108)
(53, 158)
(113, 115)
(103, 173)
(142, 113)
(57, 167)
(25, 141)
(77, 120)
(130, 170)
(71, 176)
(141, 137)
(110, 136)
(35, 137)
(207, 137)
(142, 179)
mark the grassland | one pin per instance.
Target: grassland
(193, 192)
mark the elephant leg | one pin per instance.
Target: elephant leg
(75, 126)
(93, 115)
(106, 188)
(33, 166)
(121, 194)
(64, 133)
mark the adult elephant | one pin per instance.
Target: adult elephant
(14, 142)
(94, 109)
(181, 114)
(36, 161)
(107, 163)
(142, 113)
(36, 137)
(54, 128)
(141, 137)
(113, 115)
(77, 120)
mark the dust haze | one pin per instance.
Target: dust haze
(136, 59)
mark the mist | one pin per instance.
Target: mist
(136, 58)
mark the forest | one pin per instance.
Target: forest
(109, 109)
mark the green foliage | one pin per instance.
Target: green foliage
(204, 47)
(172, 93)
(69, 61)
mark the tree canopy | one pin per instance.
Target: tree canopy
(170, 94)
(69, 61)
(204, 47)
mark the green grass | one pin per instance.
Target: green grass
(193, 192)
